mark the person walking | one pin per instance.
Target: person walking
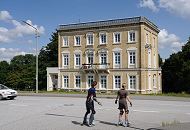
(91, 97)
(123, 96)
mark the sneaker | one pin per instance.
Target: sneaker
(85, 123)
(126, 124)
(90, 125)
(119, 123)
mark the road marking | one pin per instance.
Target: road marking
(19, 105)
(145, 111)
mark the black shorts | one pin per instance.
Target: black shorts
(123, 106)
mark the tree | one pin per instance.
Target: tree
(176, 71)
(22, 72)
(48, 57)
(4, 70)
(160, 61)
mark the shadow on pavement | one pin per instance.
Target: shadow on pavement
(51, 114)
(154, 129)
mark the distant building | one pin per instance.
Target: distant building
(111, 52)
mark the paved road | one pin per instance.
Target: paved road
(66, 113)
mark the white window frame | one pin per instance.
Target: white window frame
(65, 64)
(149, 58)
(89, 39)
(89, 81)
(65, 78)
(154, 83)
(77, 43)
(105, 80)
(87, 57)
(114, 59)
(65, 41)
(115, 37)
(114, 82)
(132, 82)
(134, 37)
(77, 77)
(132, 49)
(75, 60)
(100, 38)
(147, 38)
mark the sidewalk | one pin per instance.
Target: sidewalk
(133, 97)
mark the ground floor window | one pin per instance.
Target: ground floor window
(132, 82)
(66, 81)
(103, 81)
(117, 81)
(90, 79)
(77, 81)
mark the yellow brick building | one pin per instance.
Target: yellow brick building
(111, 52)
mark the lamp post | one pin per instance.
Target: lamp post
(36, 36)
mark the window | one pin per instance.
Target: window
(90, 39)
(132, 58)
(117, 81)
(65, 41)
(154, 81)
(117, 59)
(65, 60)
(131, 36)
(65, 81)
(90, 58)
(132, 82)
(117, 37)
(103, 38)
(77, 60)
(103, 81)
(147, 38)
(77, 41)
(103, 58)
(90, 80)
(77, 81)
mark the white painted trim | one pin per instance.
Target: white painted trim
(75, 42)
(88, 34)
(100, 41)
(100, 87)
(114, 42)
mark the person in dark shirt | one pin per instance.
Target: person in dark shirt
(123, 97)
(91, 97)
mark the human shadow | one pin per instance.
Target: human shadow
(114, 124)
(108, 123)
(52, 114)
(154, 129)
(76, 122)
(103, 122)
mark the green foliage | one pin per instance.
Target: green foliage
(176, 71)
(48, 57)
(20, 74)
(4, 70)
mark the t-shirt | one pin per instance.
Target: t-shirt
(91, 94)
(122, 95)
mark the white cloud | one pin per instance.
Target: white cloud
(19, 30)
(169, 42)
(149, 4)
(8, 53)
(178, 7)
(4, 15)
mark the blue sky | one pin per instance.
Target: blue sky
(171, 16)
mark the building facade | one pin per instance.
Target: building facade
(111, 52)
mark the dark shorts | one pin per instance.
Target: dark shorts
(123, 106)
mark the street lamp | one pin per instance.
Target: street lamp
(36, 36)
